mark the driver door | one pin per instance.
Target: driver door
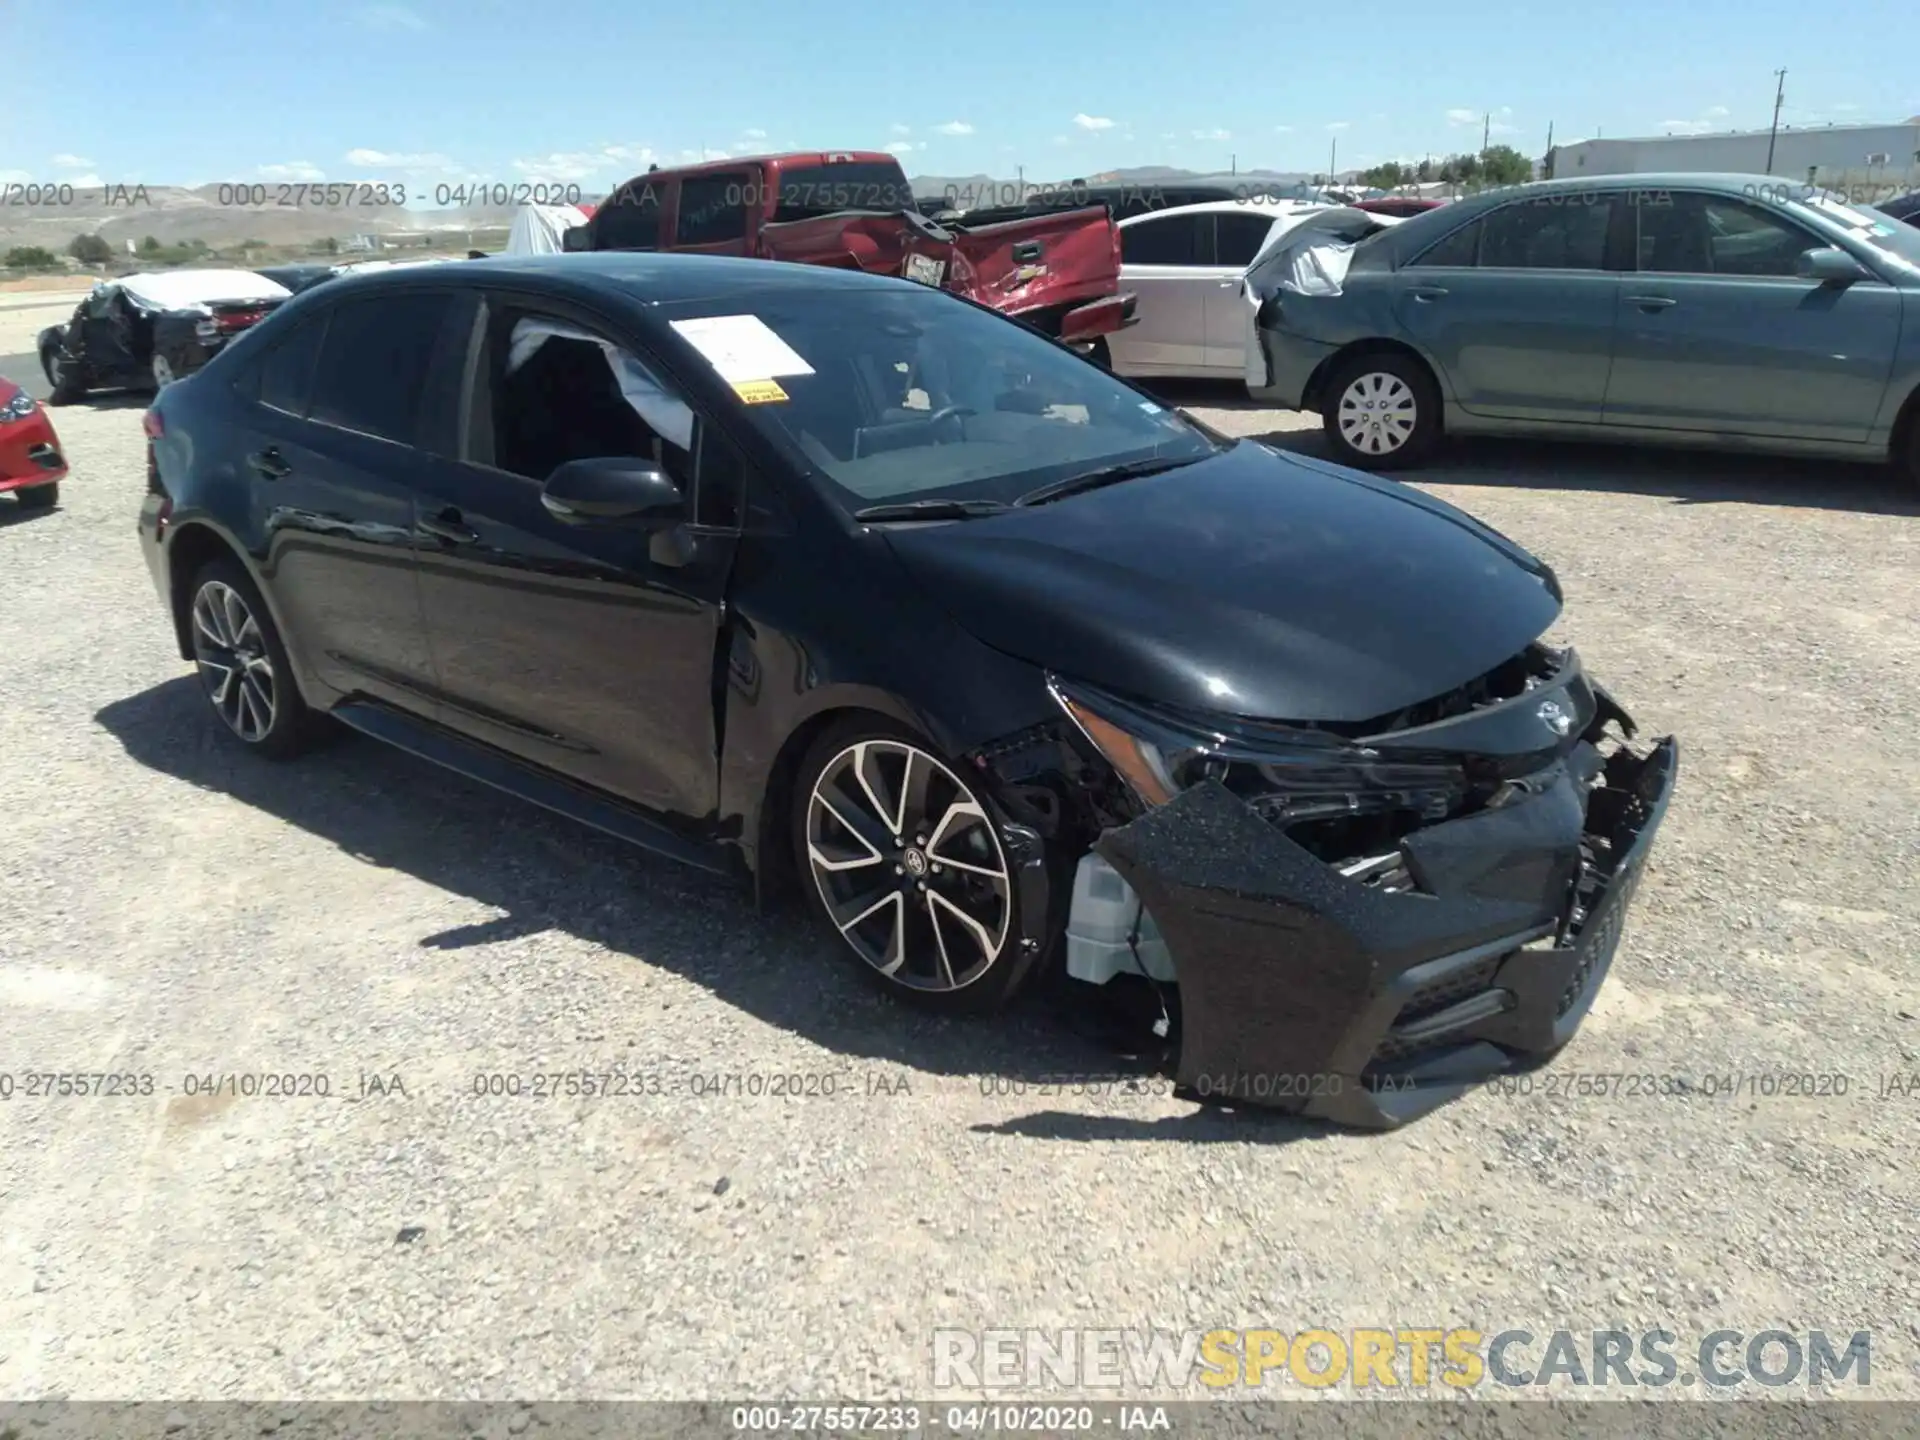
(1718, 334)
(587, 651)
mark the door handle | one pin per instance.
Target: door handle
(269, 464)
(1231, 284)
(450, 527)
(1651, 302)
(1429, 293)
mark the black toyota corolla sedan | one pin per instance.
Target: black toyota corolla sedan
(850, 585)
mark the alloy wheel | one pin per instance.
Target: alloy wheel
(231, 650)
(908, 866)
(56, 369)
(162, 372)
(1377, 413)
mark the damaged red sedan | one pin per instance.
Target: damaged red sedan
(852, 586)
(31, 465)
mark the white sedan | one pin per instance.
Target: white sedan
(1185, 264)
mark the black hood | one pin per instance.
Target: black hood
(1253, 583)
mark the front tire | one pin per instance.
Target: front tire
(68, 381)
(163, 375)
(39, 497)
(1381, 412)
(243, 666)
(903, 861)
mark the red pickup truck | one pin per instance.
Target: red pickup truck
(1058, 272)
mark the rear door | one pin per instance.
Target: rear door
(338, 407)
(587, 651)
(1238, 236)
(1167, 261)
(1517, 308)
(1719, 335)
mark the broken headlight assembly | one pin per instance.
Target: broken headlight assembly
(1347, 803)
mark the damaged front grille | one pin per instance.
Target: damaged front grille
(1425, 1022)
(1531, 668)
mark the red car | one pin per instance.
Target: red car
(31, 464)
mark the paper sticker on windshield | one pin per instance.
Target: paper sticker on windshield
(759, 392)
(1149, 407)
(742, 347)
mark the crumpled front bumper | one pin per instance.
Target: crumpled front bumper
(1304, 991)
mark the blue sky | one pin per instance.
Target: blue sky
(431, 92)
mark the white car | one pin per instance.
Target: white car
(1184, 264)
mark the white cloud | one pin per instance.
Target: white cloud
(1283, 129)
(1460, 115)
(1341, 125)
(399, 160)
(15, 177)
(1063, 139)
(390, 17)
(905, 147)
(632, 156)
(1213, 134)
(754, 133)
(1092, 122)
(568, 167)
(1720, 112)
(1686, 127)
(902, 129)
(86, 182)
(697, 157)
(292, 170)
(72, 162)
(955, 127)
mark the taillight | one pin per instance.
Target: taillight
(233, 320)
(153, 424)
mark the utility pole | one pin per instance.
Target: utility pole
(1546, 165)
(1779, 98)
(1486, 131)
(1333, 161)
(1233, 164)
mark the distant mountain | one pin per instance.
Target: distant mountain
(222, 215)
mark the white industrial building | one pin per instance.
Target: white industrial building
(1868, 155)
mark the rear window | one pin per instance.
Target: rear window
(373, 366)
(629, 219)
(713, 209)
(851, 185)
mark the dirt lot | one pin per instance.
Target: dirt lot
(172, 910)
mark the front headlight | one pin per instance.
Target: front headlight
(20, 407)
(1289, 774)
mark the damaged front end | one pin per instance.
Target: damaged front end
(1362, 921)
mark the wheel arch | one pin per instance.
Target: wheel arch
(1903, 442)
(1315, 392)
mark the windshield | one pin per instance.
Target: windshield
(827, 189)
(888, 394)
(1878, 229)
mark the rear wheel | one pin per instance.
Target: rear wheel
(163, 375)
(243, 665)
(1381, 412)
(1906, 457)
(903, 861)
(39, 497)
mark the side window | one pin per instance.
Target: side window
(286, 371)
(558, 392)
(373, 366)
(1460, 250)
(1164, 240)
(1692, 234)
(1556, 232)
(1238, 238)
(629, 219)
(713, 208)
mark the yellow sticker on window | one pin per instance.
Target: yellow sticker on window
(759, 392)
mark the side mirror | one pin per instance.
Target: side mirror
(620, 493)
(576, 239)
(1830, 265)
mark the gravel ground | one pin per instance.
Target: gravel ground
(173, 910)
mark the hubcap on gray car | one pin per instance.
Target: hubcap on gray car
(908, 865)
(234, 665)
(162, 372)
(1377, 413)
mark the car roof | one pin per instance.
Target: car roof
(642, 276)
(1268, 205)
